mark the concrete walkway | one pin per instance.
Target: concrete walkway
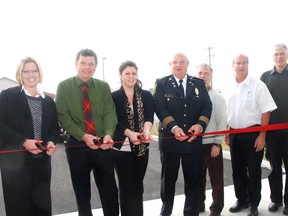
(152, 207)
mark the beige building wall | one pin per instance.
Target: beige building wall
(7, 83)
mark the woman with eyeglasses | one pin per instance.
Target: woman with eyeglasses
(28, 133)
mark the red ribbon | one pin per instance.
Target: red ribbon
(270, 127)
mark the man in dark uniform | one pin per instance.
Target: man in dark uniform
(183, 107)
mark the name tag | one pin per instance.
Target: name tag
(168, 95)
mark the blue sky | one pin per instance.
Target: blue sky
(148, 32)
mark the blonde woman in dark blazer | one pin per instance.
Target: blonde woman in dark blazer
(28, 123)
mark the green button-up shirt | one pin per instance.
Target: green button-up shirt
(70, 109)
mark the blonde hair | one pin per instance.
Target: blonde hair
(21, 65)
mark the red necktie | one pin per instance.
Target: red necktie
(88, 116)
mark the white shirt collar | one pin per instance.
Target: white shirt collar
(245, 81)
(184, 80)
(40, 93)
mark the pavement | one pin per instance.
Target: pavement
(64, 204)
(152, 207)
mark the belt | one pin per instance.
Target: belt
(246, 127)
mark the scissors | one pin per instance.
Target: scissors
(39, 145)
(140, 137)
(96, 141)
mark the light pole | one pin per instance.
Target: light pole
(103, 59)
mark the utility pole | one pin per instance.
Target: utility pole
(103, 59)
(210, 58)
(210, 55)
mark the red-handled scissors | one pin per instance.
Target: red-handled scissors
(38, 144)
(140, 137)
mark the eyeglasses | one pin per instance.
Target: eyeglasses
(30, 71)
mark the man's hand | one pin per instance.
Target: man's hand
(226, 139)
(215, 150)
(195, 129)
(89, 140)
(260, 142)
(107, 142)
(179, 134)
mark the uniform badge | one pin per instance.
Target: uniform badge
(197, 92)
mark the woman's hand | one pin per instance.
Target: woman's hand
(147, 136)
(50, 148)
(30, 146)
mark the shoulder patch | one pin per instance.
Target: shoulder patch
(154, 89)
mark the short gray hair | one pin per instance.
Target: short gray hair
(281, 45)
(205, 65)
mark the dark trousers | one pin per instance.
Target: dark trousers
(277, 153)
(130, 171)
(246, 167)
(191, 165)
(81, 163)
(215, 171)
(26, 187)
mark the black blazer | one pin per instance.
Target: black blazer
(173, 110)
(118, 97)
(16, 124)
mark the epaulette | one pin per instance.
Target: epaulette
(195, 78)
(163, 78)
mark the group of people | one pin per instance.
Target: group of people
(112, 131)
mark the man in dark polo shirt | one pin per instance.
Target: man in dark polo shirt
(277, 141)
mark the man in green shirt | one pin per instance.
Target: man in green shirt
(84, 152)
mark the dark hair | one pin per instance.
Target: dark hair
(126, 64)
(86, 52)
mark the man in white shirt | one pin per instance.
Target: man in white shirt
(248, 105)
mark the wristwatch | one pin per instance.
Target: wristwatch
(218, 145)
